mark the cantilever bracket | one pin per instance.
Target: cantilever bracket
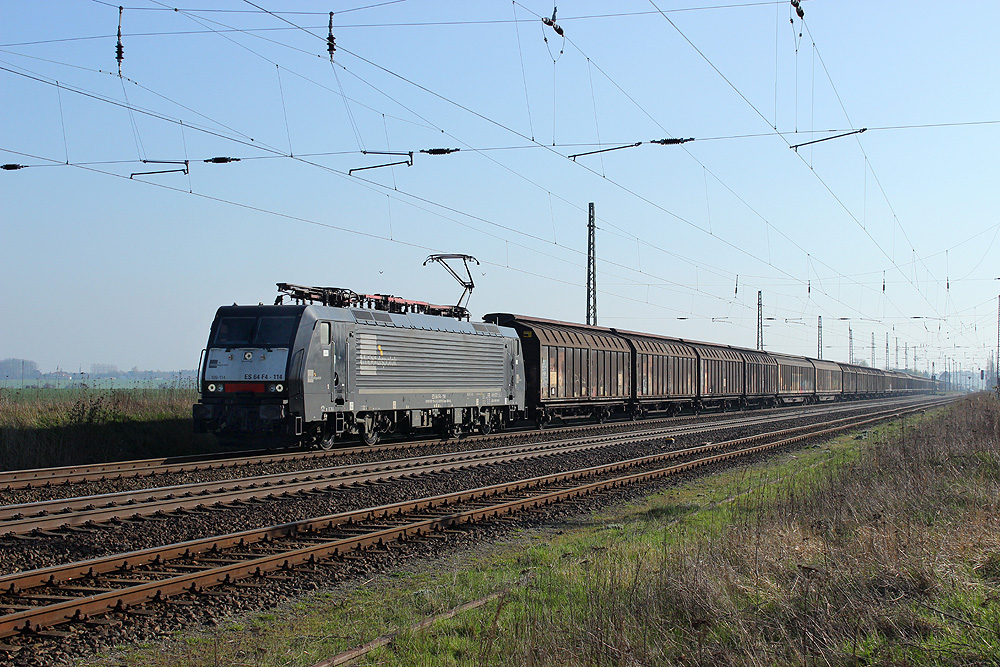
(408, 161)
(182, 170)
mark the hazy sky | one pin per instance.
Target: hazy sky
(894, 228)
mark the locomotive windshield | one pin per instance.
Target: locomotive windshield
(263, 331)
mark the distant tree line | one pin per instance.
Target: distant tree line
(13, 368)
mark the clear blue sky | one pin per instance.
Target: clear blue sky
(100, 268)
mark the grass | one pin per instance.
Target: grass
(53, 427)
(882, 550)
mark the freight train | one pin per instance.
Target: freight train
(334, 364)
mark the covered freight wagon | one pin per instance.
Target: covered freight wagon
(664, 372)
(571, 369)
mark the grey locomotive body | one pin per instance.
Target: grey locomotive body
(313, 373)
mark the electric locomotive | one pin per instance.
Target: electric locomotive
(336, 363)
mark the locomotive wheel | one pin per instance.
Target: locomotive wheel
(367, 432)
(368, 436)
(325, 442)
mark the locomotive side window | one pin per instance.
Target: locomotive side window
(234, 331)
(324, 333)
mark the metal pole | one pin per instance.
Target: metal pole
(819, 337)
(760, 321)
(591, 267)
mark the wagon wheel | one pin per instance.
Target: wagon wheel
(326, 442)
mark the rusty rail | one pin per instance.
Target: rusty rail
(64, 475)
(68, 512)
(210, 567)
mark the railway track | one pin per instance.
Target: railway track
(32, 602)
(68, 475)
(43, 517)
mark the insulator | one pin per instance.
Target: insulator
(669, 142)
(222, 160)
(795, 3)
(800, 12)
(331, 43)
(440, 151)
(559, 31)
(119, 49)
(12, 167)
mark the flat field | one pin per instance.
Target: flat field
(55, 427)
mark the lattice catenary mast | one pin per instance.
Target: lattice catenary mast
(591, 267)
(760, 321)
(819, 337)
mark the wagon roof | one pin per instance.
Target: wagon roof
(565, 334)
(660, 345)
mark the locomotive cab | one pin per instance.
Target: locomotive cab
(245, 379)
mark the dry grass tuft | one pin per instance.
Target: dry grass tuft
(890, 559)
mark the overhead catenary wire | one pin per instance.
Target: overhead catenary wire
(637, 239)
(524, 76)
(761, 115)
(264, 156)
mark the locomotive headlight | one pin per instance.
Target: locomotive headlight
(279, 388)
(219, 387)
(211, 388)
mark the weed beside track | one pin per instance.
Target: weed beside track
(887, 556)
(876, 551)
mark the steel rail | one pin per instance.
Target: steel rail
(23, 519)
(54, 514)
(64, 475)
(44, 477)
(81, 608)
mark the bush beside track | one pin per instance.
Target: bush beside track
(40, 427)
